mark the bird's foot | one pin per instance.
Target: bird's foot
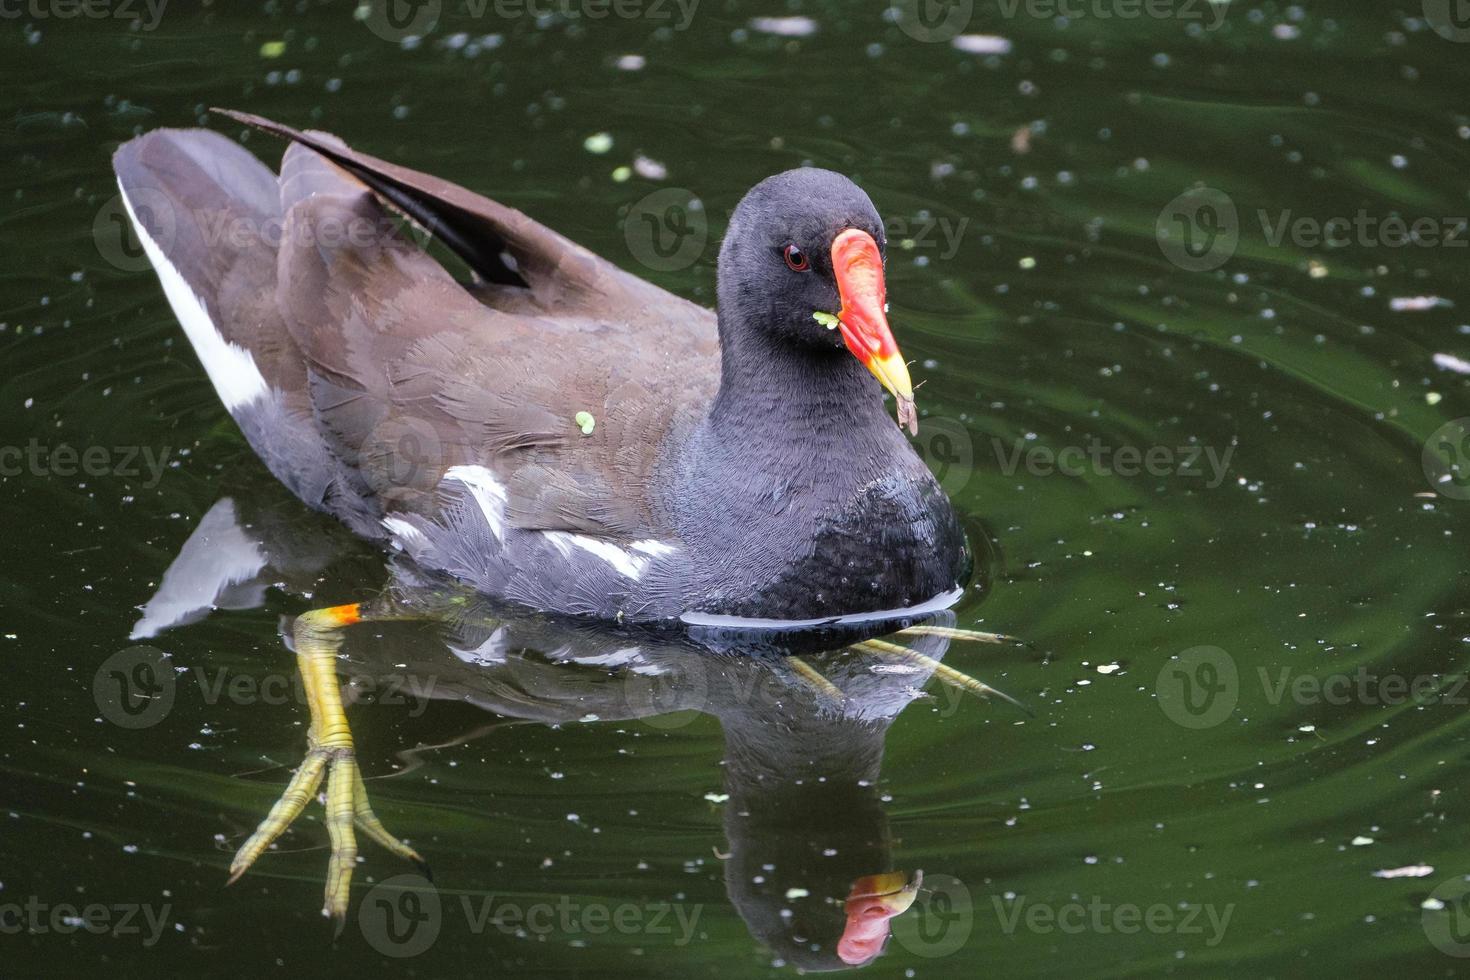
(947, 674)
(330, 754)
(950, 633)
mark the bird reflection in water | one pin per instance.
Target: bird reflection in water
(808, 857)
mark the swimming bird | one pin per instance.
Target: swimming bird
(552, 431)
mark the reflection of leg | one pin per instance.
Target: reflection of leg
(945, 673)
(815, 678)
(318, 639)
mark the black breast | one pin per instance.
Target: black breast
(897, 544)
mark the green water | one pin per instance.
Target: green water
(1205, 493)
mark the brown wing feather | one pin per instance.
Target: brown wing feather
(561, 275)
(411, 374)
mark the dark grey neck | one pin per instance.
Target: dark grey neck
(795, 400)
(798, 496)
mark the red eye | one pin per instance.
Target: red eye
(796, 259)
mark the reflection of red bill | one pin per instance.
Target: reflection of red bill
(873, 901)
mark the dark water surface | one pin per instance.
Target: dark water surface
(1214, 466)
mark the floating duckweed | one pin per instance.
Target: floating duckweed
(621, 174)
(586, 422)
(598, 143)
(827, 320)
(272, 49)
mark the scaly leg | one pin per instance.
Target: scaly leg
(816, 679)
(950, 633)
(318, 637)
(944, 672)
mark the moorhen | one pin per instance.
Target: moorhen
(557, 432)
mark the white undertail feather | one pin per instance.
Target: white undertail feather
(405, 535)
(232, 370)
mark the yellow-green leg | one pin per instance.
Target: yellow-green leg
(318, 639)
(950, 633)
(945, 673)
(816, 680)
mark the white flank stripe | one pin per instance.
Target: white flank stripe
(627, 565)
(236, 378)
(488, 493)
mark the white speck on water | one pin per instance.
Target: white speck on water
(1448, 362)
(795, 893)
(631, 62)
(1401, 304)
(1108, 668)
(784, 26)
(649, 169)
(598, 143)
(981, 44)
(1407, 871)
(1361, 841)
